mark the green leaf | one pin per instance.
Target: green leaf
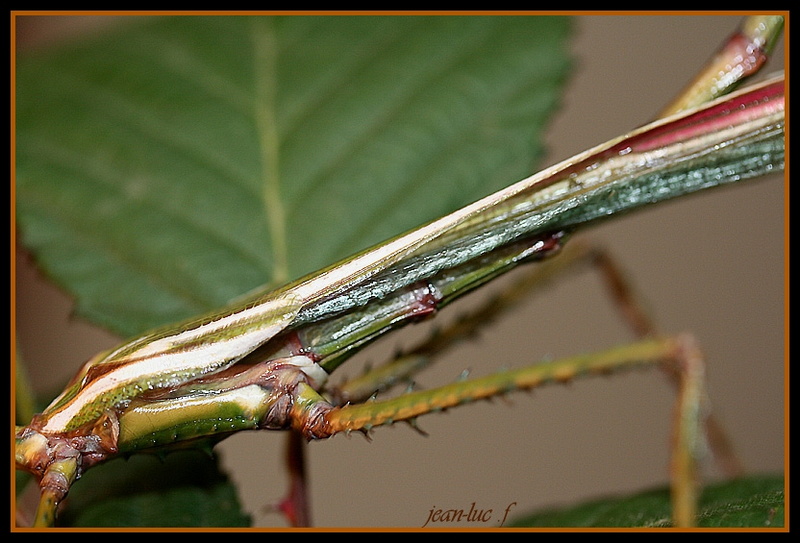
(185, 489)
(755, 502)
(179, 162)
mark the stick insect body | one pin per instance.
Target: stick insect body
(264, 362)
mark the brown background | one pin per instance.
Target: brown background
(713, 264)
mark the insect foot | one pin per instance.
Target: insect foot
(58, 460)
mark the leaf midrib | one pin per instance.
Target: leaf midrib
(265, 85)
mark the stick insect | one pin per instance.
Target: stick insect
(548, 242)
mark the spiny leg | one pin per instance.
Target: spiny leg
(316, 418)
(366, 415)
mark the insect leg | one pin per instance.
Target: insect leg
(295, 506)
(57, 461)
(316, 418)
(632, 309)
(326, 421)
(689, 415)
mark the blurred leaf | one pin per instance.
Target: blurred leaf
(24, 398)
(756, 502)
(175, 163)
(184, 489)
